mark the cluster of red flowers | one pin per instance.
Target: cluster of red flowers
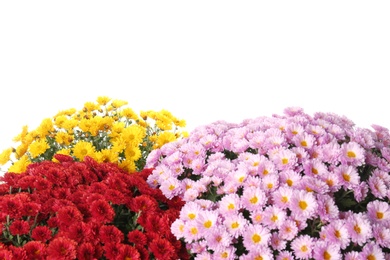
(85, 210)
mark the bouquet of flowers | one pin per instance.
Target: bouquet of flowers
(106, 130)
(72, 209)
(290, 186)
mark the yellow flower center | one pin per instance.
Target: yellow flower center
(235, 225)
(194, 230)
(351, 154)
(327, 255)
(256, 238)
(302, 204)
(254, 200)
(231, 206)
(284, 161)
(289, 182)
(304, 248)
(357, 229)
(379, 215)
(208, 224)
(191, 215)
(314, 171)
(171, 187)
(303, 143)
(346, 177)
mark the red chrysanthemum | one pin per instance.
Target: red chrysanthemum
(87, 251)
(30, 209)
(5, 254)
(129, 252)
(101, 211)
(112, 251)
(162, 249)
(144, 203)
(68, 215)
(41, 233)
(137, 237)
(79, 231)
(110, 234)
(62, 248)
(18, 253)
(35, 250)
(19, 227)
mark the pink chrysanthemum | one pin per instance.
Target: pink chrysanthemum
(303, 204)
(256, 236)
(302, 246)
(379, 212)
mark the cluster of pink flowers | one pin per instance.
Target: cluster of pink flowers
(289, 186)
(85, 210)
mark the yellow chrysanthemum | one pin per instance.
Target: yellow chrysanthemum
(107, 155)
(132, 153)
(45, 128)
(163, 138)
(82, 149)
(22, 135)
(103, 100)
(128, 166)
(129, 114)
(38, 147)
(5, 156)
(20, 165)
(63, 138)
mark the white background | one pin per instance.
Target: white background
(201, 60)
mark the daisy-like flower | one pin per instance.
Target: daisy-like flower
(377, 187)
(327, 209)
(235, 224)
(227, 253)
(171, 187)
(284, 255)
(303, 204)
(191, 232)
(282, 197)
(252, 198)
(315, 168)
(274, 216)
(372, 251)
(359, 228)
(302, 246)
(352, 153)
(218, 239)
(336, 232)
(277, 243)
(290, 178)
(270, 183)
(304, 140)
(381, 235)
(261, 252)
(256, 236)
(190, 211)
(229, 204)
(348, 176)
(327, 251)
(379, 212)
(283, 158)
(207, 221)
(288, 229)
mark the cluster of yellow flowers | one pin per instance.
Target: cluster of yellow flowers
(106, 130)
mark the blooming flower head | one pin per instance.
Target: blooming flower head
(303, 204)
